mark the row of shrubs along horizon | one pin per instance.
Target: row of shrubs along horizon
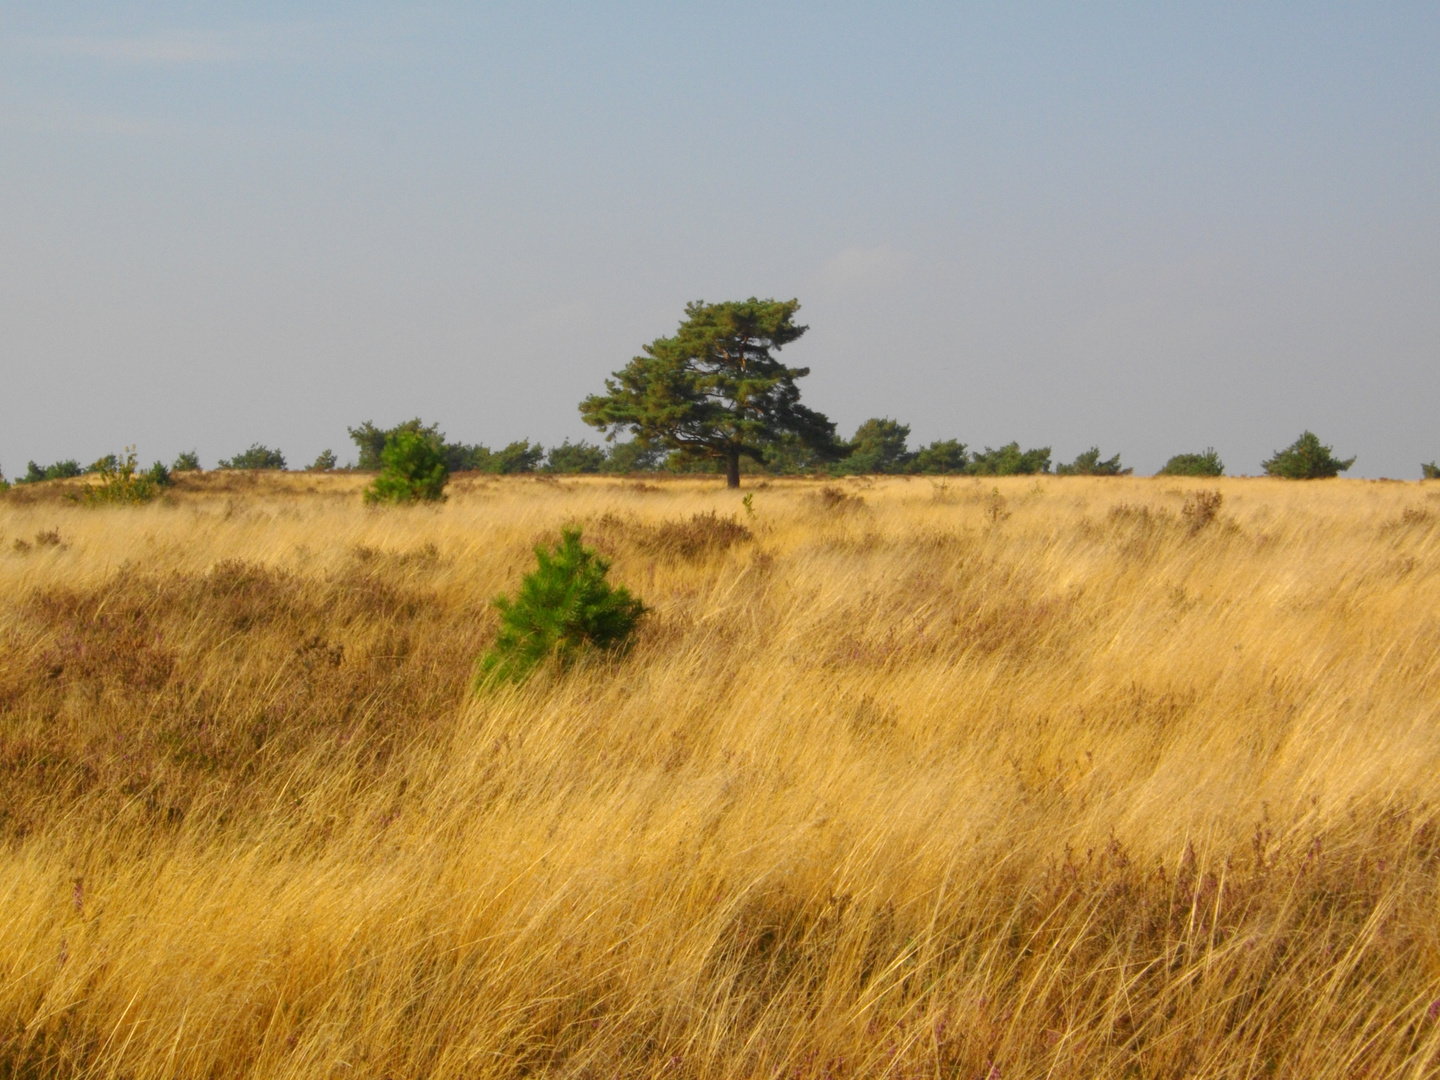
(878, 447)
(713, 397)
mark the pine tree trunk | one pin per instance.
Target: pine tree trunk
(732, 469)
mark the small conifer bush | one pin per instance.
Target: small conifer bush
(1430, 471)
(1307, 458)
(186, 461)
(564, 610)
(1206, 464)
(412, 469)
(259, 456)
(1091, 464)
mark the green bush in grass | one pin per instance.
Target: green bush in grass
(564, 610)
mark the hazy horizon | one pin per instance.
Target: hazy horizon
(1150, 230)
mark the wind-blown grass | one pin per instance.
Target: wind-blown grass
(906, 788)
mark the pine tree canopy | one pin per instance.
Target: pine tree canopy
(715, 390)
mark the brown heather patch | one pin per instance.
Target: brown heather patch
(1017, 782)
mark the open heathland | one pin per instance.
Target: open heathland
(1021, 777)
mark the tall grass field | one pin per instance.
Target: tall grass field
(1022, 778)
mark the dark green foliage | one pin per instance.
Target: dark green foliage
(467, 457)
(943, 457)
(370, 440)
(633, 457)
(459, 457)
(187, 461)
(257, 457)
(1206, 464)
(581, 457)
(518, 457)
(879, 446)
(1090, 464)
(325, 462)
(565, 609)
(788, 456)
(108, 463)
(159, 475)
(1430, 471)
(61, 470)
(1305, 459)
(1010, 460)
(714, 391)
(412, 469)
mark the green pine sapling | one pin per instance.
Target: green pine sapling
(565, 609)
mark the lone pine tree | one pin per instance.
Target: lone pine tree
(714, 390)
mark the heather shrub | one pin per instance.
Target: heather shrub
(1200, 509)
(412, 469)
(1206, 464)
(564, 610)
(836, 498)
(258, 456)
(1306, 459)
(693, 539)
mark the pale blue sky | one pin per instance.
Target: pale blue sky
(1142, 226)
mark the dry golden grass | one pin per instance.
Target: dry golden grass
(1014, 779)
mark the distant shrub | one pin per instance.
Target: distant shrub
(257, 457)
(1089, 464)
(466, 457)
(61, 470)
(945, 457)
(581, 457)
(632, 457)
(370, 440)
(186, 461)
(1430, 471)
(518, 457)
(122, 482)
(879, 446)
(1305, 459)
(326, 461)
(565, 608)
(1010, 460)
(412, 469)
(1206, 464)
